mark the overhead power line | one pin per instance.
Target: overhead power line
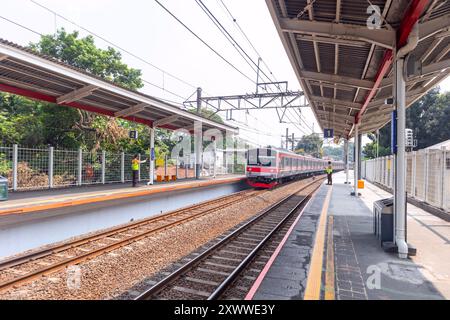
(245, 36)
(203, 41)
(113, 44)
(21, 25)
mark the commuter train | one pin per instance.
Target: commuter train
(268, 167)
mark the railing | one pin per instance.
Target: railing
(427, 175)
(43, 168)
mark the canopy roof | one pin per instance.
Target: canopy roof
(26, 73)
(345, 67)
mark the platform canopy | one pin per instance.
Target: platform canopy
(28, 74)
(343, 56)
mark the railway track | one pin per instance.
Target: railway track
(228, 268)
(26, 268)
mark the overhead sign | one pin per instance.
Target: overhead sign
(133, 134)
(328, 133)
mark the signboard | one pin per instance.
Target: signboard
(394, 132)
(133, 134)
(328, 133)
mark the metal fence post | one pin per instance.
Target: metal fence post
(413, 172)
(442, 179)
(444, 182)
(50, 166)
(176, 167)
(80, 167)
(215, 158)
(165, 166)
(187, 164)
(103, 166)
(139, 168)
(15, 163)
(122, 167)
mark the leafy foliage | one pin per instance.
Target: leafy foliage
(310, 144)
(33, 123)
(429, 118)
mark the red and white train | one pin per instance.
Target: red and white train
(267, 167)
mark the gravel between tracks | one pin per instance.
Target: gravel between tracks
(109, 275)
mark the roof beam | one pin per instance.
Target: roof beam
(342, 80)
(131, 110)
(337, 102)
(431, 27)
(381, 37)
(76, 94)
(336, 116)
(164, 121)
(351, 43)
(436, 67)
(3, 57)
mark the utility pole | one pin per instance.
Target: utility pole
(257, 76)
(287, 138)
(293, 141)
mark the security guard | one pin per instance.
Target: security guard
(135, 168)
(329, 172)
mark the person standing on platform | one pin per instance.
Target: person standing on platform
(135, 168)
(329, 172)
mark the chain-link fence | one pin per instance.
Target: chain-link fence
(41, 168)
(427, 175)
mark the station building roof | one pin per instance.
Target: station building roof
(346, 68)
(40, 77)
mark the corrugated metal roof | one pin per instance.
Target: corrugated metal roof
(339, 63)
(37, 76)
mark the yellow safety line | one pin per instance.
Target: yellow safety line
(314, 282)
(329, 275)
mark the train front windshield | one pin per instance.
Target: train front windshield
(261, 157)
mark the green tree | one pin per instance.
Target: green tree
(429, 118)
(310, 144)
(34, 123)
(83, 54)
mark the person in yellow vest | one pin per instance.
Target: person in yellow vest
(329, 172)
(135, 168)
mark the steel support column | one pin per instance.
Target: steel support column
(355, 162)
(346, 158)
(400, 170)
(198, 137)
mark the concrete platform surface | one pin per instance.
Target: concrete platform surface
(32, 201)
(332, 253)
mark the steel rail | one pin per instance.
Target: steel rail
(109, 247)
(192, 263)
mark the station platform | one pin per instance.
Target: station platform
(33, 201)
(331, 253)
(38, 218)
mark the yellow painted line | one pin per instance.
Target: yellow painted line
(329, 275)
(90, 199)
(314, 283)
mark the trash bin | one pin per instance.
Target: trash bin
(383, 220)
(3, 188)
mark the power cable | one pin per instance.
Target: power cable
(203, 41)
(112, 44)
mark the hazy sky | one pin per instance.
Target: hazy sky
(143, 28)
